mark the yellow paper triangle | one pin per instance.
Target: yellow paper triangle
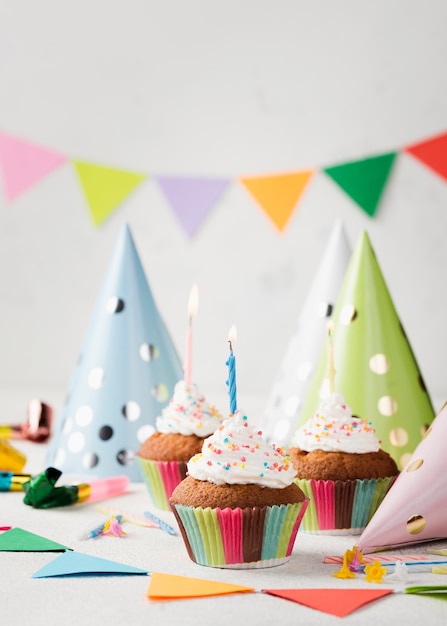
(278, 194)
(172, 587)
(105, 187)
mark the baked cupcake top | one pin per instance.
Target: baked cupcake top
(238, 454)
(334, 429)
(188, 413)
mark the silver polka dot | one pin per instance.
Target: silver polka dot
(84, 415)
(114, 305)
(149, 352)
(67, 425)
(281, 430)
(125, 457)
(291, 406)
(131, 410)
(305, 370)
(76, 442)
(90, 460)
(96, 378)
(160, 392)
(325, 309)
(145, 432)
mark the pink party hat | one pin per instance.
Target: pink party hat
(415, 508)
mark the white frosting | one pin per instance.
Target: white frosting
(334, 429)
(238, 454)
(188, 413)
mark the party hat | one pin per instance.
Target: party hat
(376, 369)
(125, 375)
(415, 508)
(301, 357)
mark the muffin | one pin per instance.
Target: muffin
(341, 468)
(239, 506)
(180, 432)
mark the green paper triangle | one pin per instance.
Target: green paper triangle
(105, 187)
(376, 370)
(18, 540)
(364, 180)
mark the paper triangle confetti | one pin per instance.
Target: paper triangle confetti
(76, 563)
(415, 509)
(19, 540)
(191, 199)
(125, 375)
(338, 602)
(172, 587)
(105, 188)
(278, 195)
(387, 388)
(433, 153)
(301, 357)
(24, 164)
(364, 180)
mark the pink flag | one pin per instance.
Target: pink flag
(23, 164)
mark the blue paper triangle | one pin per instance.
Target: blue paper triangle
(78, 564)
(126, 373)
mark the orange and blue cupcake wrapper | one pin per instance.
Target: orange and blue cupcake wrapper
(161, 478)
(337, 506)
(259, 536)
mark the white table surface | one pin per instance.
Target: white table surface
(122, 599)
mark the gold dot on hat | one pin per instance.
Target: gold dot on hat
(415, 524)
(415, 465)
(404, 459)
(387, 406)
(398, 437)
(379, 364)
(160, 392)
(348, 314)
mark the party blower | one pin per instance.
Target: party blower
(41, 492)
(37, 428)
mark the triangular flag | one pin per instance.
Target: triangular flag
(301, 357)
(376, 370)
(338, 602)
(105, 187)
(278, 194)
(172, 587)
(433, 153)
(415, 508)
(24, 164)
(76, 563)
(19, 540)
(125, 375)
(364, 180)
(191, 199)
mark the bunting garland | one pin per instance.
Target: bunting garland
(23, 164)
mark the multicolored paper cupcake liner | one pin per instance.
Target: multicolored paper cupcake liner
(342, 507)
(161, 478)
(240, 538)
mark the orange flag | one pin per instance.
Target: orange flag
(433, 153)
(278, 194)
(172, 587)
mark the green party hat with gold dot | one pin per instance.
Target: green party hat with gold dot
(376, 369)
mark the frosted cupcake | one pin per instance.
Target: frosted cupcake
(341, 468)
(180, 432)
(239, 506)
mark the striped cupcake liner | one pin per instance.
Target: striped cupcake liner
(240, 538)
(161, 478)
(342, 507)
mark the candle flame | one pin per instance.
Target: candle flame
(330, 327)
(193, 302)
(232, 336)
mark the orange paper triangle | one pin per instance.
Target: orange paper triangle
(339, 602)
(171, 587)
(278, 194)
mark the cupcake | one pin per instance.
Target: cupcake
(341, 469)
(239, 506)
(180, 432)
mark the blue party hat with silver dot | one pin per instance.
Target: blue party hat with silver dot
(125, 375)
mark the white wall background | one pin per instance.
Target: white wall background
(227, 89)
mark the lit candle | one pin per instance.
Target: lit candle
(231, 382)
(193, 305)
(330, 358)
